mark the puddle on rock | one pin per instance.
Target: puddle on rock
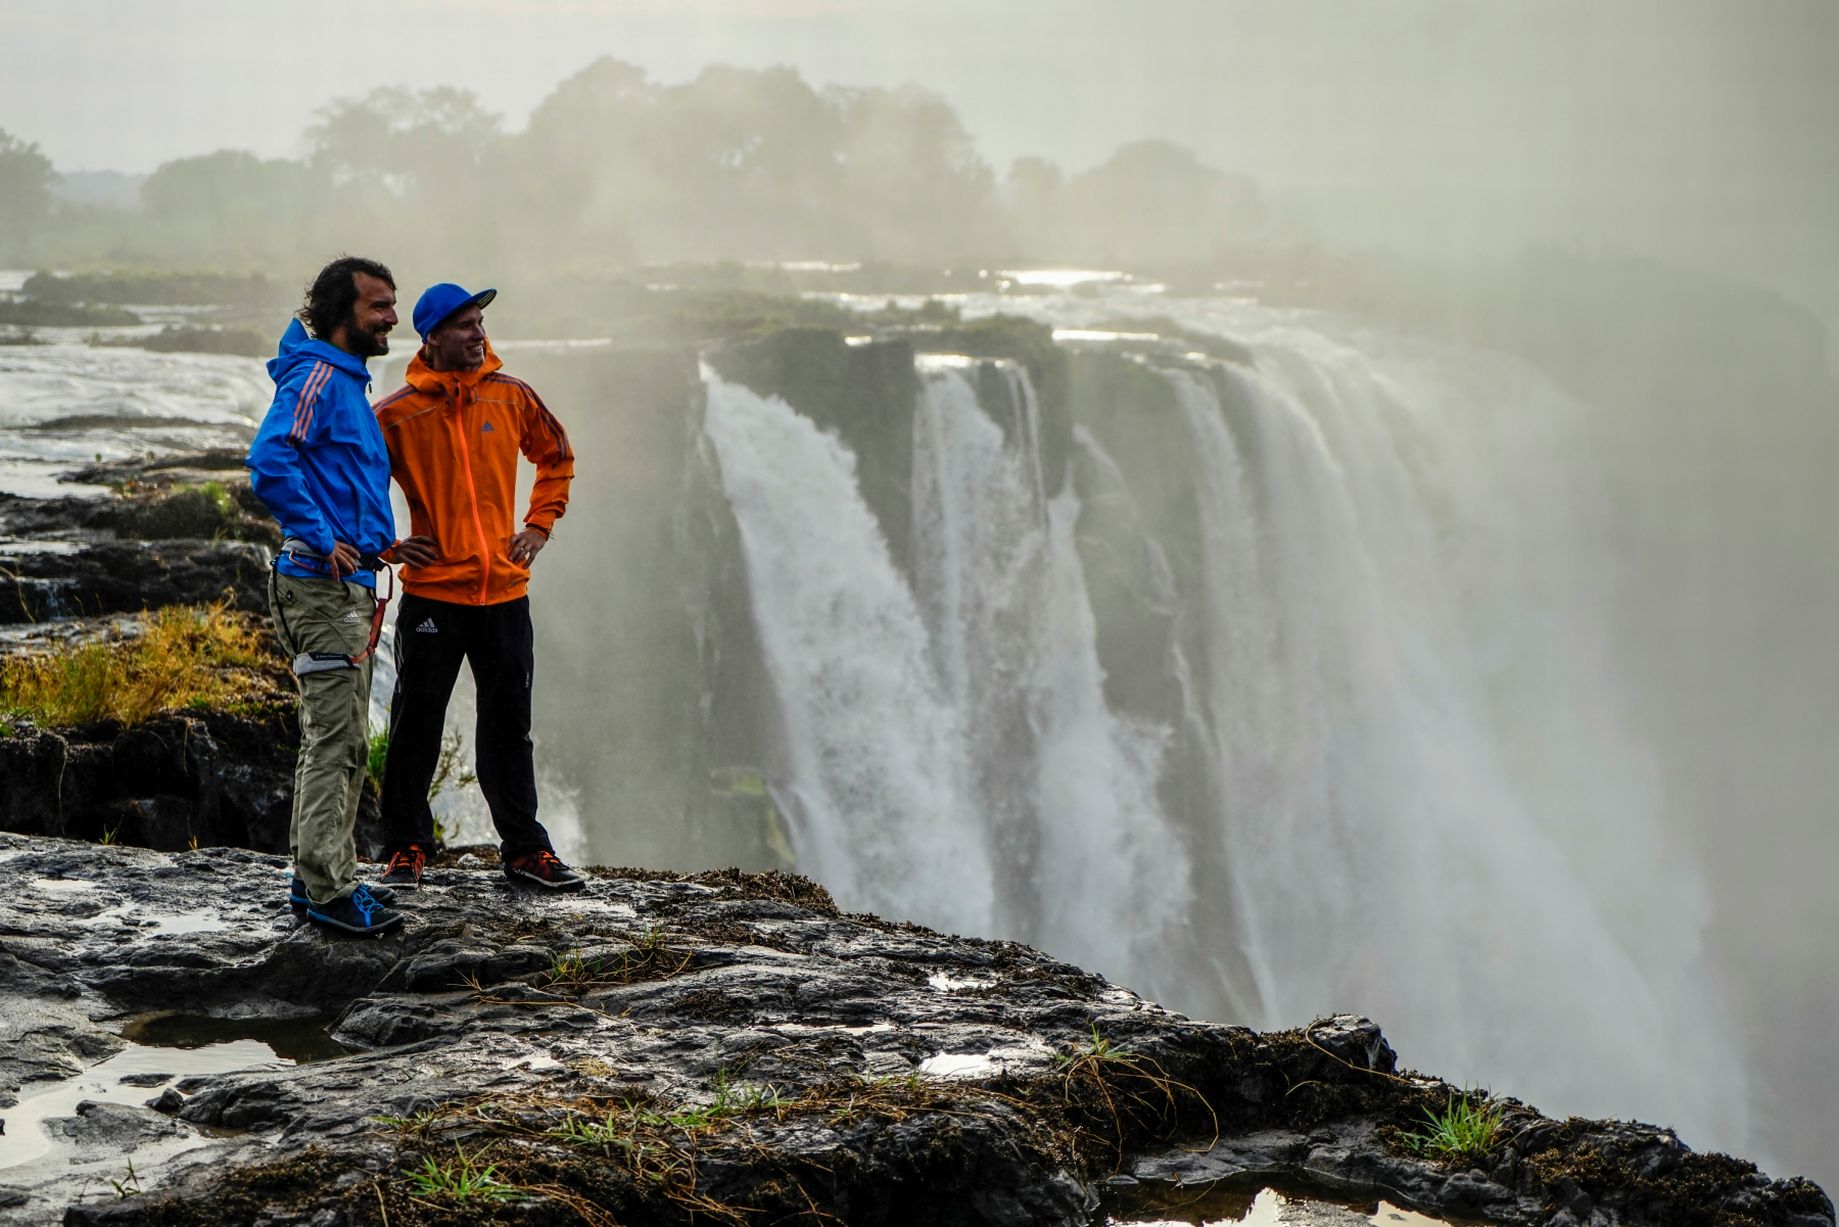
(67, 885)
(18, 546)
(154, 923)
(163, 1050)
(1161, 1205)
(292, 1041)
(798, 1028)
(960, 1065)
(948, 984)
(130, 1078)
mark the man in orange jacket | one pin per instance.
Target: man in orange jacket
(454, 433)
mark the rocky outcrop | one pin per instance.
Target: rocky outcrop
(714, 1048)
(864, 393)
(184, 530)
(177, 781)
(865, 389)
(130, 576)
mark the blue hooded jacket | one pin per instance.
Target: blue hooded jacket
(318, 461)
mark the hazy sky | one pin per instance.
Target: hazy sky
(1704, 125)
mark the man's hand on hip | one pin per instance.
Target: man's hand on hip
(526, 545)
(343, 559)
(416, 551)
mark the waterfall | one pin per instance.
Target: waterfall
(953, 760)
(878, 788)
(1420, 799)
(1390, 850)
(1087, 862)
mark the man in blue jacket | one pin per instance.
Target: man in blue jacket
(319, 464)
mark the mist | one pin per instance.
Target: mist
(1693, 131)
(1634, 200)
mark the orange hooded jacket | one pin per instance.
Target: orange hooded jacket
(454, 438)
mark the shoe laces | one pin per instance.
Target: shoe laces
(366, 903)
(408, 858)
(542, 858)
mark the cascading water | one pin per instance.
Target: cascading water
(1421, 801)
(1065, 790)
(1384, 855)
(878, 787)
(952, 757)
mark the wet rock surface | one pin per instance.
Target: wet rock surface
(180, 530)
(176, 781)
(716, 1048)
(176, 530)
(179, 780)
(129, 576)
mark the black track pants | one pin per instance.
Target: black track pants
(432, 637)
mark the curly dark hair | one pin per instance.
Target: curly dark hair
(334, 293)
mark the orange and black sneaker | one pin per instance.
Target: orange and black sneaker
(541, 868)
(404, 869)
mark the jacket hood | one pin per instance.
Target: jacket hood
(425, 378)
(297, 348)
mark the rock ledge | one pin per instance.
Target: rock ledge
(717, 1048)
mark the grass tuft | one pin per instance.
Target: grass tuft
(462, 1180)
(376, 753)
(129, 1186)
(185, 657)
(649, 957)
(1099, 1049)
(1107, 1086)
(1469, 1125)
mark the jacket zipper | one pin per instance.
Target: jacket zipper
(472, 488)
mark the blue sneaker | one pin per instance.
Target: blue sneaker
(360, 913)
(298, 899)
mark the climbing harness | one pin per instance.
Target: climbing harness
(325, 662)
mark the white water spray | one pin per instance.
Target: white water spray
(878, 787)
(969, 706)
(1389, 851)
(1065, 789)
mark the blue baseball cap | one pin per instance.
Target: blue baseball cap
(437, 302)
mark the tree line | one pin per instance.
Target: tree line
(614, 170)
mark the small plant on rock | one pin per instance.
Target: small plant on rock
(569, 970)
(420, 1122)
(378, 750)
(1100, 1049)
(129, 1186)
(610, 1129)
(1122, 1092)
(450, 768)
(739, 1098)
(1469, 1125)
(462, 1180)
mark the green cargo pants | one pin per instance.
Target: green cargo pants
(327, 615)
